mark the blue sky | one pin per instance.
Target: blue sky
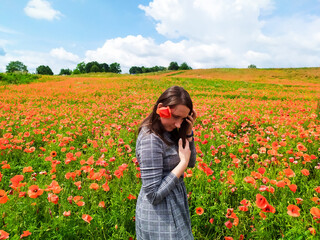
(204, 33)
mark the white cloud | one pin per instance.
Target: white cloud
(41, 9)
(205, 34)
(56, 60)
(62, 54)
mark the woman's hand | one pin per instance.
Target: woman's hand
(184, 153)
(190, 120)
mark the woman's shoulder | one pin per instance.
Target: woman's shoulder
(147, 134)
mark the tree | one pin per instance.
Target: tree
(115, 67)
(16, 66)
(81, 67)
(184, 66)
(252, 66)
(90, 64)
(44, 70)
(135, 70)
(104, 67)
(65, 71)
(173, 66)
(94, 68)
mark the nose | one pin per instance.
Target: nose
(178, 123)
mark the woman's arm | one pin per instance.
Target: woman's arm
(150, 156)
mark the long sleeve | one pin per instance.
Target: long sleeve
(150, 157)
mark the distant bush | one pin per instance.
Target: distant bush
(252, 66)
(17, 78)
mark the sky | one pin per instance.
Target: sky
(202, 33)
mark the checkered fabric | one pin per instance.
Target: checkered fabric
(162, 210)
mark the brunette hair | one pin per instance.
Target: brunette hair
(171, 97)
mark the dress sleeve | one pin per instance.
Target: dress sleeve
(193, 155)
(154, 184)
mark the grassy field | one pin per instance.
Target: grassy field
(68, 168)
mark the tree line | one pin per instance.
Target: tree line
(94, 66)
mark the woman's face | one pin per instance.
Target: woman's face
(178, 114)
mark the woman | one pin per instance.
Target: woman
(164, 149)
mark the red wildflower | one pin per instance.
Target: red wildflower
(25, 234)
(53, 198)
(4, 234)
(66, 213)
(228, 224)
(3, 197)
(305, 172)
(130, 197)
(269, 208)
(289, 172)
(102, 204)
(261, 201)
(34, 191)
(87, 218)
(315, 212)
(94, 186)
(293, 187)
(312, 230)
(164, 112)
(293, 210)
(199, 210)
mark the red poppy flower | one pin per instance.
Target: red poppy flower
(53, 154)
(66, 213)
(315, 212)
(293, 187)
(53, 198)
(228, 224)
(269, 208)
(87, 218)
(27, 169)
(199, 210)
(130, 197)
(312, 230)
(102, 204)
(3, 197)
(164, 112)
(34, 191)
(293, 210)
(4, 234)
(25, 234)
(261, 201)
(305, 172)
(94, 186)
(289, 172)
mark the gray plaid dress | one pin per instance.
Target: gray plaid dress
(162, 210)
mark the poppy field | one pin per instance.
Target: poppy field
(67, 154)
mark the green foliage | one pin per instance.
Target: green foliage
(115, 67)
(89, 66)
(252, 66)
(173, 66)
(184, 66)
(137, 70)
(81, 67)
(94, 68)
(16, 66)
(17, 78)
(44, 70)
(65, 71)
(76, 71)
